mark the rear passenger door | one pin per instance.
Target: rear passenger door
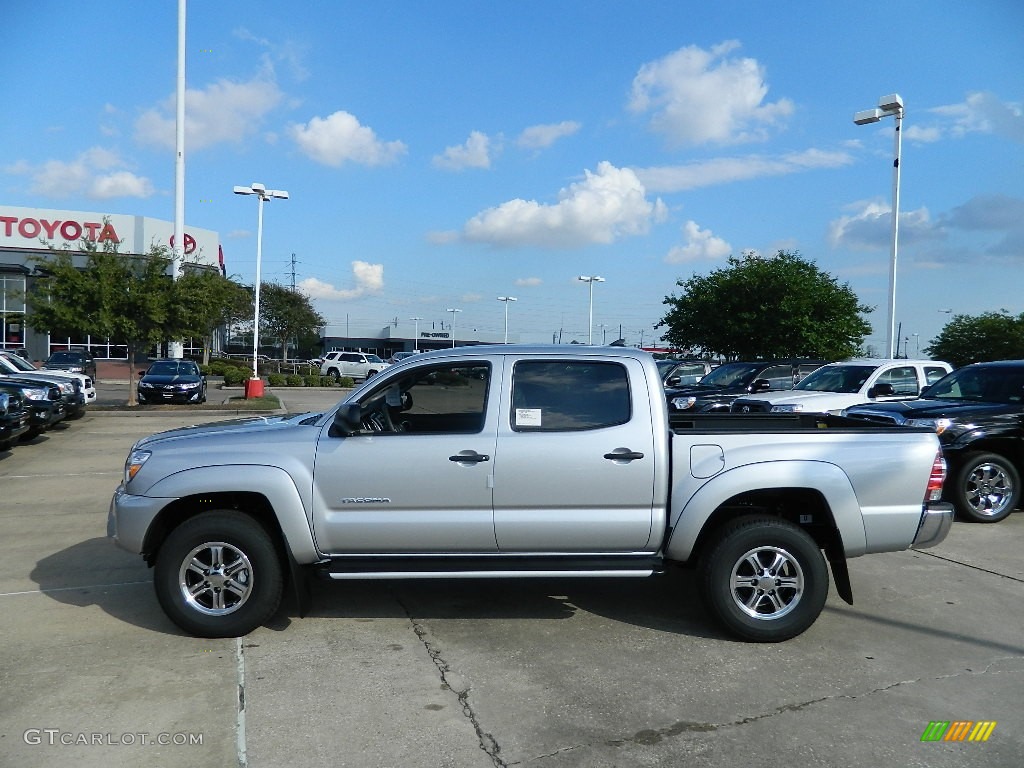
(574, 471)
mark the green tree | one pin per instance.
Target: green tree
(286, 315)
(112, 295)
(764, 307)
(972, 339)
(206, 301)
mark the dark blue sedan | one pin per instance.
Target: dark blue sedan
(172, 381)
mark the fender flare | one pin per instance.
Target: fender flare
(271, 482)
(825, 478)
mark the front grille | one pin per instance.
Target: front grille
(751, 406)
(878, 418)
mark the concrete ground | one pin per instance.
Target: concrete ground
(549, 674)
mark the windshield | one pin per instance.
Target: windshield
(988, 385)
(373, 359)
(19, 363)
(837, 378)
(65, 357)
(732, 375)
(172, 369)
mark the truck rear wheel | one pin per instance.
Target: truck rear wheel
(985, 488)
(218, 575)
(765, 579)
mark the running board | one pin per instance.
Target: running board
(497, 567)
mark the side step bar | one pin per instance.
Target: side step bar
(497, 567)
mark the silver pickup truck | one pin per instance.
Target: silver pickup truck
(517, 461)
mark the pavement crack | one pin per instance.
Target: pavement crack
(486, 741)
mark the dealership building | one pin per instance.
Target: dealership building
(28, 233)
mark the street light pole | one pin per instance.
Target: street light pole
(591, 279)
(453, 311)
(890, 106)
(416, 337)
(263, 194)
(506, 299)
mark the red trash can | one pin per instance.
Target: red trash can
(253, 388)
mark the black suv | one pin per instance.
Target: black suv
(42, 399)
(717, 390)
(978, 412)
(14, 418)
(74, 360)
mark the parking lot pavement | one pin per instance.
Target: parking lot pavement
(483, 673)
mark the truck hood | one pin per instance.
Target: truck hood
(247, 427)
(936, 409)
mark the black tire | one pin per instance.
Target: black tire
(780, 597)
(247, 577)
(335, 373)
(985, 487)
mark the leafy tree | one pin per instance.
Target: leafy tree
(206, 301)
(781, 306)
(972, 339)
(286, 314)
(113, 295)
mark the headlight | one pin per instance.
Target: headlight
(35, 394)
(683, 403)
(134, 463)
(145, 385)
(939, 425)
(67, 387)
(191, 385)
(788, 408)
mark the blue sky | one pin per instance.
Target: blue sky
(442, 154)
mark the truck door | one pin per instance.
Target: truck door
(575, 471)
(417, 479)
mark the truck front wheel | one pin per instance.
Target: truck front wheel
(218, 575)
(985, 488)
(765, 579)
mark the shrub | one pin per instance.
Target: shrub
(345, 381)
(314, 381)
(294, 380)
(233, 377)
(276, 379)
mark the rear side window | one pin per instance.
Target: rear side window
(933, 373)
(903, 380)
(569, 395)
(779, 376)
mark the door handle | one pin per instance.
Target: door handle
(623, 455)
(469, 457)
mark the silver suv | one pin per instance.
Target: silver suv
(356, 365)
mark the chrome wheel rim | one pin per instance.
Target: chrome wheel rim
(767, 583)
(215, 578)
(988, 490)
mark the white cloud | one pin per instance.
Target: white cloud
(474, 153)
(225, 111)
(696, 96)
(543, 136)
(604, 206)
(723, 170)
(339, 137)
(701, 245)
(369, 280)
(97, 173)
(528, 282)
(984, 113)
(869, 227)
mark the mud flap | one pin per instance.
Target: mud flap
(840, 573)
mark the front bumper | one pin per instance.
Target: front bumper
(129, 518)
(936, 520)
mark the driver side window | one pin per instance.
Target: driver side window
(447, 399)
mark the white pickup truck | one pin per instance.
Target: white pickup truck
(834, 387)
(518, 461)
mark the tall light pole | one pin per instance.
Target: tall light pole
(453, 311)
(591, 279)
(890, 106)
(175, 348)
(507, 299)
(416, 336)
(263, 194)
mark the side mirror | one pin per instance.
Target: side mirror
(881, 390)
(925, 390)
(760, 385)
(143, 372)
(348, 418)
(672, 381)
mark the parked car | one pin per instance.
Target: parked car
(73, 360)
(399, 357)
(43, 400)
(356, 365)
(836, 386)
(978, 413)
(172, 381)
(14, 418)
(717, 390)
(682, 373)
(15, 365)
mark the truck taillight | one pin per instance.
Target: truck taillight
(936, 478)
